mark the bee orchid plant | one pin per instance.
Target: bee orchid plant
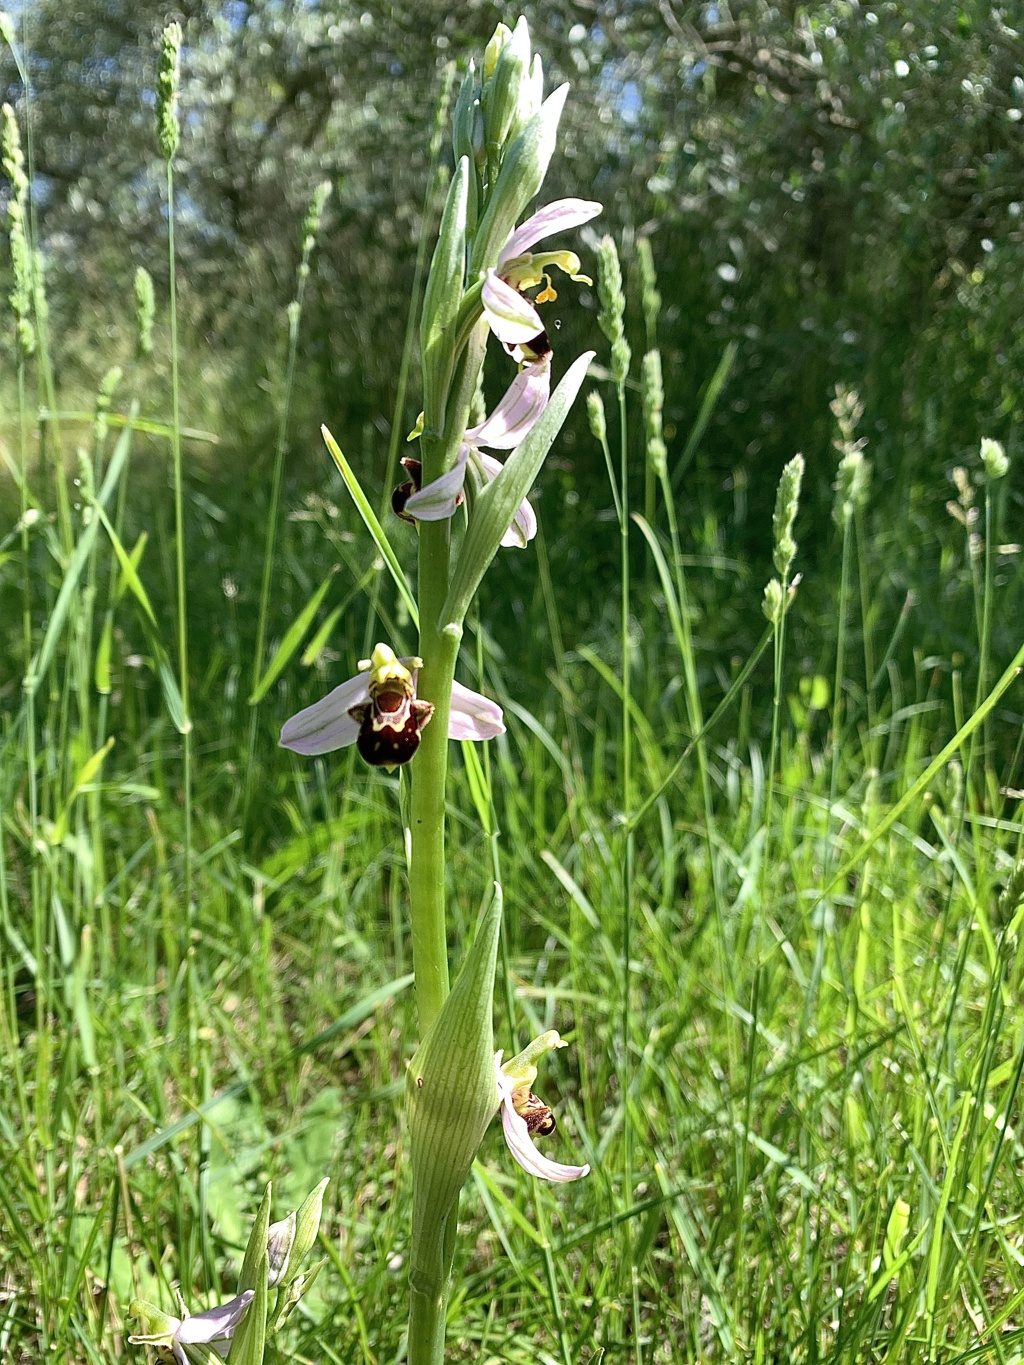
(485, 280)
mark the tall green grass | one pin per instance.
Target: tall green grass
(796, 1017)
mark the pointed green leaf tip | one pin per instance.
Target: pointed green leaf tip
(249, 1342)
(452, 1097)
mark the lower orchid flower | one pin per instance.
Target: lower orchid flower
(523, 1114)
(378, 711)
(512, 419)
(168, 1334)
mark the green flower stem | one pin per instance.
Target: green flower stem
(428, 1301)
(426, 1328)
(438, 650)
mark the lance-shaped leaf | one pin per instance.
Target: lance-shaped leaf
(307, 1225)
(452, 1097)
(497, 504)
(250, 1339)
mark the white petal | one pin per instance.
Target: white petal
(523, 528)
(439, 499)
(524, 523)
(473, 716)
(520, 1144)
(557, 216)
(217, 1323)
(523, 402)
(327, 725)
(512, 318)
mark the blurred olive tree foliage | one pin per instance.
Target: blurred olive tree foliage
(837, 187)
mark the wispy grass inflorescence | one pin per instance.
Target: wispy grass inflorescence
(652, 391)
(778, 593)
(17, 215)
(167, 83)
(145, 310)
(613, 307)
(787, 500)
(596, 418)
(650, 296)
(853, 476)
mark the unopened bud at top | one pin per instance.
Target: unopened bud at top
(994, 458)
(501, 91)
(499, 38)
(787, 500)
(167, 90)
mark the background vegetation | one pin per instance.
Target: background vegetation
(804, 1122)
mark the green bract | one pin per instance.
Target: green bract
(452, 1097)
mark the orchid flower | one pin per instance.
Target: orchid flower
(512, 318)
(176, 1335)
(523, 1114)
(514, 416)
(379, 712)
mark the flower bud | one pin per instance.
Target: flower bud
(994, 458)
(531, 94)
(500, 99)
(280, 1240)
(498, 40)
(467, 121)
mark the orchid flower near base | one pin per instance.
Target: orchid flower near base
(378, 710)
(523, 1114)
(175, 1336)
